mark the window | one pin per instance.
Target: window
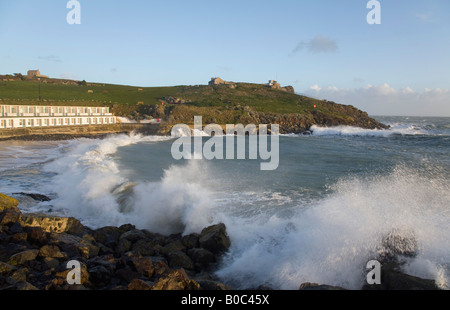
(67, 121)
(11, 123)
(3, 124)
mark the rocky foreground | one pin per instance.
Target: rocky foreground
(35, 250)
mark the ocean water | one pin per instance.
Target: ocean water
(320, 217)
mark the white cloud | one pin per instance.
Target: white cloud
(386, 100)
(318, 44)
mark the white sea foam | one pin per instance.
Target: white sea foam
(91, 187)
(397, 129)
(331, 241)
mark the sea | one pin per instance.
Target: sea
(320, 217)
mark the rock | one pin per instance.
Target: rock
(144, 247)
(25, 286)
(36, 235)
(127, 274)
(210, 285)
(123, 246)
(176, 280)
(215, 239)
(144, 265)
(6, 251)
(52, 223)
(191, 241)
(100, 276)
(174, 246)
(20, 275)
(201, 257)
(51, 262)
(107, 261)
(126, 227)
(140, 285)
(316, 287)
(74, 245)
(8, 203)
(156, 239)
(15, 228)
(397, 245)
(6, 268)
(51, 251)
(63, 274)
(133, 235)
(178, 259)
(20, 238)
(393, 279)
(9, 216)
(109, 236)
(160, 264)
(23, 257)
(37, 197)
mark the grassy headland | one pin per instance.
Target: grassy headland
(242, 103)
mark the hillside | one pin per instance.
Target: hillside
(243, 103)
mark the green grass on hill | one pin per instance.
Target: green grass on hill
(140, 102)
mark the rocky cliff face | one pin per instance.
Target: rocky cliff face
(329, 115)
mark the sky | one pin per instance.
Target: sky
(324, 48)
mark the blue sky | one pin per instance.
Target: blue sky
(324, 48)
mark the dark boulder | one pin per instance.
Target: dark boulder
(215, 239)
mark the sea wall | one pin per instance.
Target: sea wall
(71, 132)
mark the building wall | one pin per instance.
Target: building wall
(17, 116)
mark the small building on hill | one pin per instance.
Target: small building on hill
(216, 81)
(274, 84)
(35, 74)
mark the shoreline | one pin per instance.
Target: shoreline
(76, 132)
(35, 250)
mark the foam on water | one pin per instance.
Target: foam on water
(90, 187)
(416, 127)
(331, 240)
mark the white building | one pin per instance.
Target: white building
(25, 116)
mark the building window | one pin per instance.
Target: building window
(11, 123)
